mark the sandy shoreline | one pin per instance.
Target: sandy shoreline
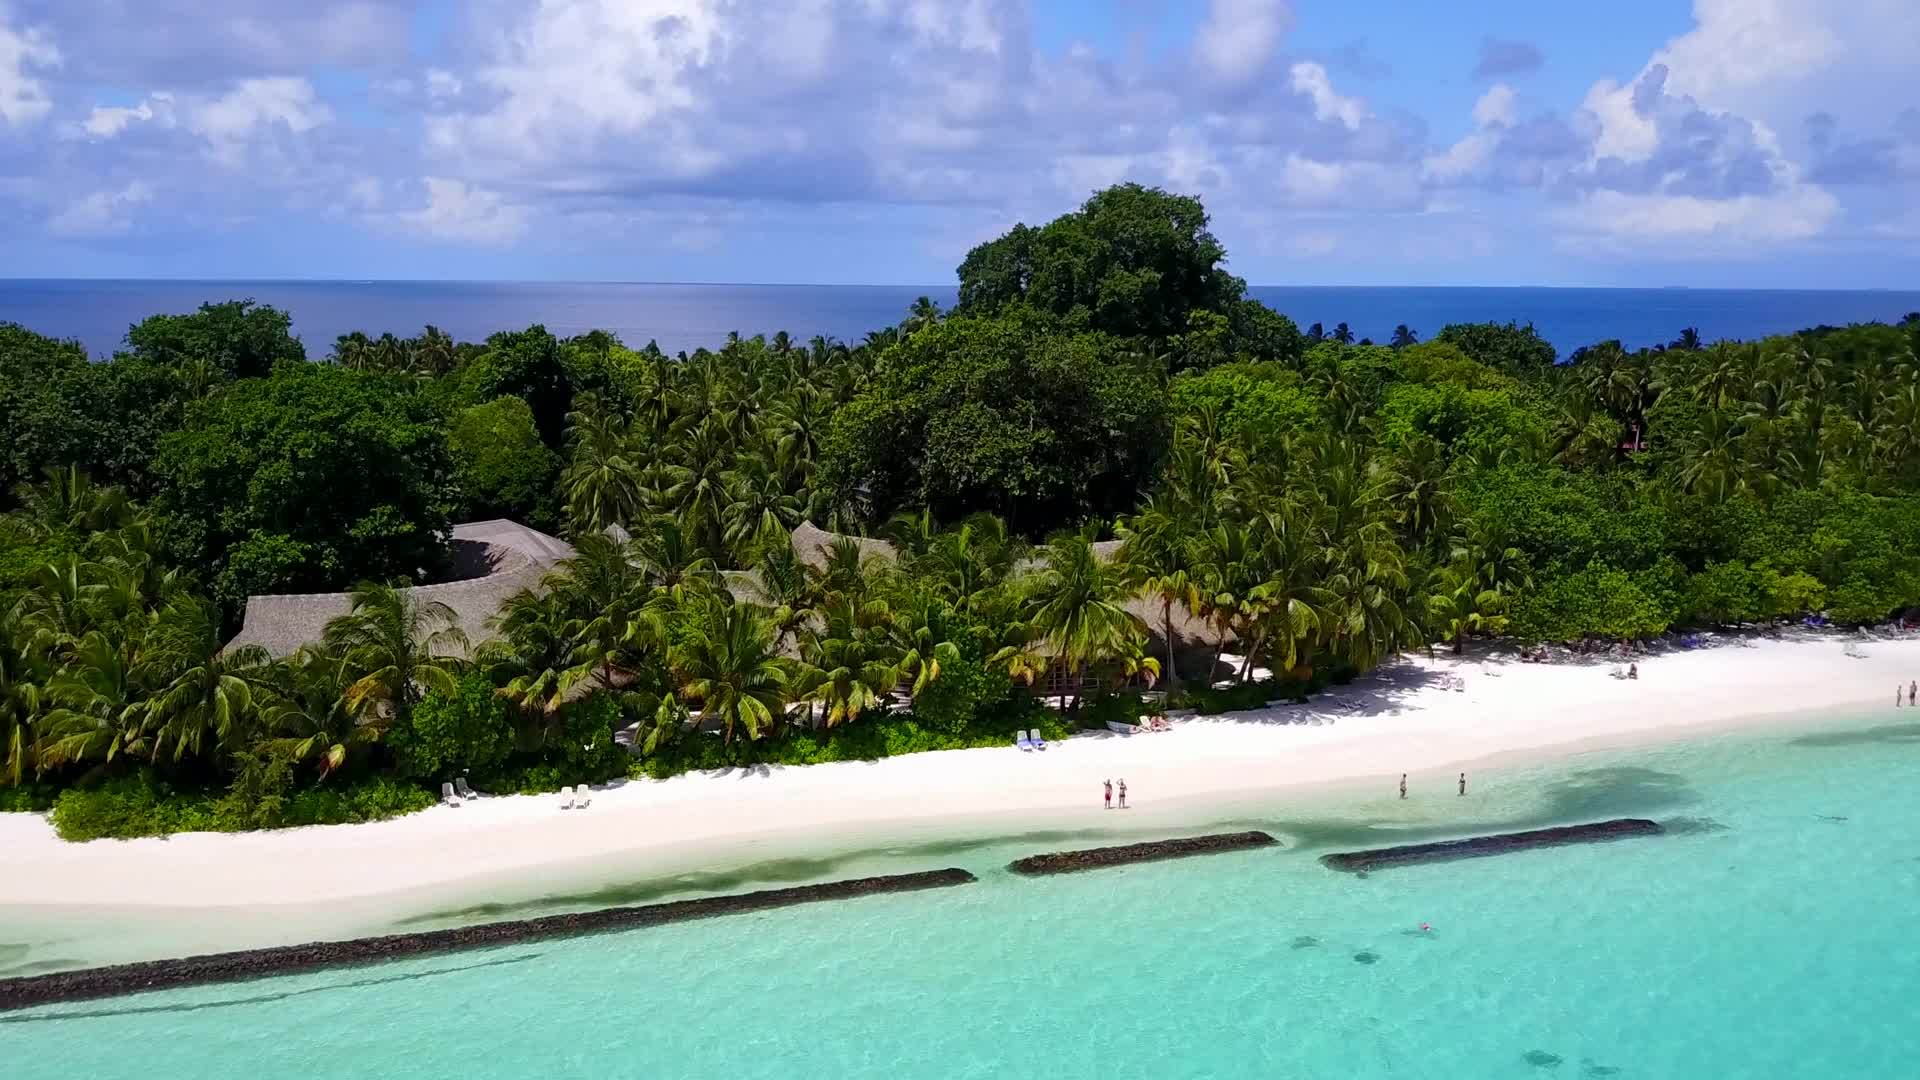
(1403, 719)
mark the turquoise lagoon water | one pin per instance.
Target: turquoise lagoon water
(1771, 936)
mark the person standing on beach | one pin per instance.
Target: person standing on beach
(1463, 783)
(1109, 787)
(1913, 691)
(1123, 793)
(1403, 785)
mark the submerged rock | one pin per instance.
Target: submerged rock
(119, 979)
(1374, 859)
(1066, 862)
(1540, 1059)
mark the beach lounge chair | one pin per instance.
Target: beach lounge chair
(582, 796)
(1020, 740)
(1037, 742)
(465, 792)
(447, 796)
(566, 797)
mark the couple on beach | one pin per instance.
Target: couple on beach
(1123, 793)
(1913, 694)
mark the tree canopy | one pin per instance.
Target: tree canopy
(309, 480)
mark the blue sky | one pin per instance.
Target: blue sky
(1730, 142)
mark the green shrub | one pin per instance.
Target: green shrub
(580, 749)
(473, 731)
(141, 805)
(863, 740)
(1121, 707)
(27, 798)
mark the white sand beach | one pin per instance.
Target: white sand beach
(1403, 718)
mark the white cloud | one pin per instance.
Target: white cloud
(1622, 132)
(1495, 107)
(1710, 226)
(23, 55)
(103, 213)
(254, 105)
(1474, 152)
(1311, 79)
(108, 121)
(577, 71)
(1239, 36)
(442, 84)
(1738, 45)
(1312, 183)
(457, 212)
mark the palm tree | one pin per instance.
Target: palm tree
(726, 663)
(433, 352)
(308, 715)
(851, 662)
(613, 610)
(70, 502)
(206, 698)
(23, 673)
(63, 605)
(601, 482)
(396, 647)
(1154, 546)
(1342, 334)
(1460, 603)
(1403, 337)
(967, 564)
(762, 509)
(1419, 485)
(100, 711)
(927, 634)
(534, 652)
(1712, 466)
(923, 313)
(1076, 605)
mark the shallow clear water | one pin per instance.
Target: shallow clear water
(1772, 937)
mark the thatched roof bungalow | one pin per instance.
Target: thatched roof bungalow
(494, 560)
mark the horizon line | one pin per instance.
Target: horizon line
(9, 279)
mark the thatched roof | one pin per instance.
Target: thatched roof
(496, 558)
(812, 544)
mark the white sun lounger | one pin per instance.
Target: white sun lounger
(1037, 742)
(1020, 740)
(582, 795)
(465, 792)
(566, 797)
(447, 796)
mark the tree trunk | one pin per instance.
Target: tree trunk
(1166, 622)
(1459, 641)
(1253, 650)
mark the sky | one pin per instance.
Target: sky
(1736, 143)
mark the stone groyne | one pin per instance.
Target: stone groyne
(120, 979)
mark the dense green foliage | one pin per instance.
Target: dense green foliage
(501, 467)
(998, 414)
(1307, 505)
(308, 480)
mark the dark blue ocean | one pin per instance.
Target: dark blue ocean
(687, 316)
